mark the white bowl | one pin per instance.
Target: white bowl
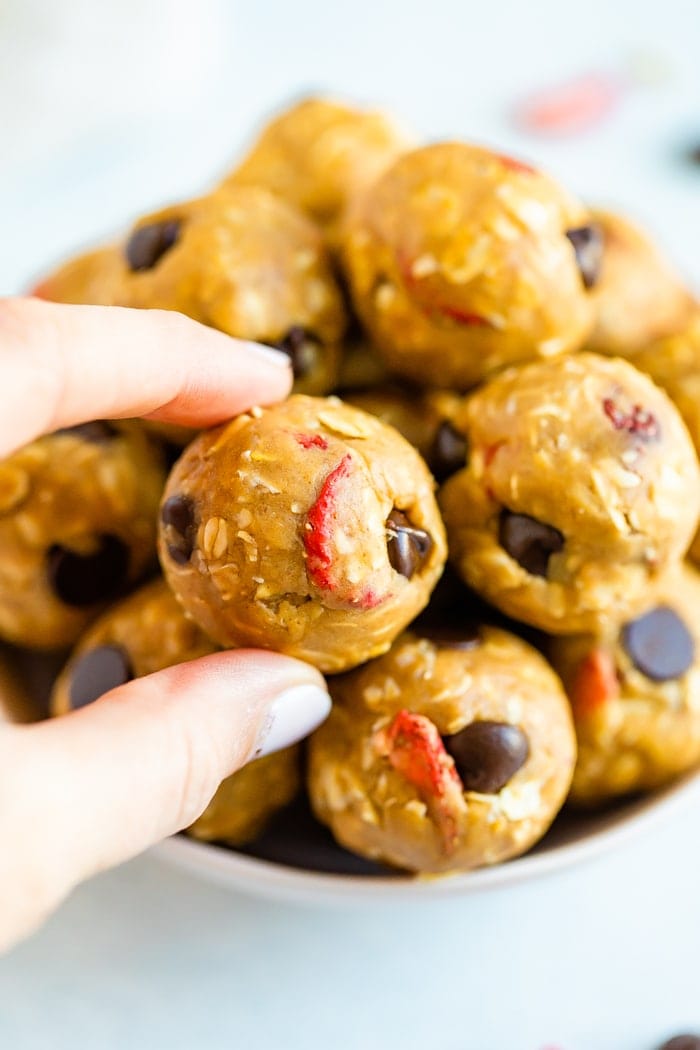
(573, 839)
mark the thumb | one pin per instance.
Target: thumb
(95, 787)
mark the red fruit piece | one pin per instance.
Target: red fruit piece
(637, 421)
(312, 441)
(517, 166)
(415, 749)
(462, 316)
(325, 520)
(595, 683)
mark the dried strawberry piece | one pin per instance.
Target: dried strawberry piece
(427, 304)
(518, 166)
(324, 521)
(638, 420)
(491, 451)
(595, 683)
(415, 749)
(463, 317)
(312, 441)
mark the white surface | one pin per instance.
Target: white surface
(107, 109)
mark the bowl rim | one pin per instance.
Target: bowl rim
(270, 880)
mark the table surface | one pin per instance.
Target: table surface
(110, 109)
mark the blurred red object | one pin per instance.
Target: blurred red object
(568, 108)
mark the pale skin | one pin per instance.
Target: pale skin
(84, 792)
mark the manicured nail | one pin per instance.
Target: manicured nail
(267, 353)
(292, 715)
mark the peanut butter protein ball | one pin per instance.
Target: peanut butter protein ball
(461, 261)
(148, 632)
(320, 154)
(78, 512)
(635, 694)
(249, 264)
(639, 296)
(444, 755)
(309, 527)
(581, 488)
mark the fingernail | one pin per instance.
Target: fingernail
(292, 715)
(268, 353)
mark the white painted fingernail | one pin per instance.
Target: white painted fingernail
(268, 353)
(291, 716)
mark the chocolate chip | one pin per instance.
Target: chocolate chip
(98, 671)
(303, 349)
(448, 451)
(693, 154)
(98, 432)
(178, 514)
(407, 546)
(488, 754)
(682, 1042)
(659, 644)
(148, 244)
(84, 579)
(528, 541)
(588, 246)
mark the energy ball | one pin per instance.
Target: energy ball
(320, 154)
(444, 755)
(148, 632)
(461, 261)
(635, 694)
(249, 264)
(424, 419)
(674, 364)
(143, 633)
(639, 296)
(78, 513)
(246, 801)
(581, 488)
(310, 528)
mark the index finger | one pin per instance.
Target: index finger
(62, 365)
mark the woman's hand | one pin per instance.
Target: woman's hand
(81, 793)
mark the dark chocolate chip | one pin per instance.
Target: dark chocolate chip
(148, 244)
(448, 452)
(303, 349)
(488, 754)
(659, 644)
(682, 1042)
(408, 547)
(528, 541)
(84, 579)
(693, 154)
(588, 246)
(98, 671)
(178, 514)
(98, 432)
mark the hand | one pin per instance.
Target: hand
(81, 793)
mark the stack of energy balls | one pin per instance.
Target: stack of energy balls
(518, 381)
